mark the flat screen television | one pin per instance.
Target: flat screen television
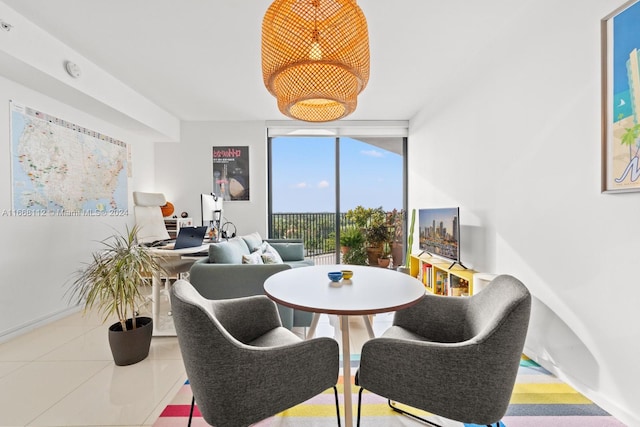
(439, 232)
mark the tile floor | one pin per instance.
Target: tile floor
(62, 374)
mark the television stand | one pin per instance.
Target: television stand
(440, 276)
(459, 263)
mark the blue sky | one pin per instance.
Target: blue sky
(304, 175)
(626, 37)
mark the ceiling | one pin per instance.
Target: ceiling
(200, 59)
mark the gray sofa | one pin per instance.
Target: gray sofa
(223, 274)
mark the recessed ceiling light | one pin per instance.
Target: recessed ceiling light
(5, 26)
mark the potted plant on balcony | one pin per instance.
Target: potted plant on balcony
(356, 256)
(351, 237)
(111, 282)
(395, 221)
(385, 257)
(376, 235)
(360, 216)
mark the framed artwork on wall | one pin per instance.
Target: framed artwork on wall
(620, 46)
(231, 172)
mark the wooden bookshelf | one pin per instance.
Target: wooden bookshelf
(440, 277)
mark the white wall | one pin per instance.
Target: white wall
(515, 142)
(40, 254)
(185, 171)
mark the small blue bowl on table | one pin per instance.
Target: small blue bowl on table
(335, 276)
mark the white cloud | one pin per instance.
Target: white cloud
(323, 184)
(300, 185)
(372, 153)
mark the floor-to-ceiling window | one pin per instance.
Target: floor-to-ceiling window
(315, 181)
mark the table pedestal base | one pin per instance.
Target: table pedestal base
(346, 358)
(346, 372)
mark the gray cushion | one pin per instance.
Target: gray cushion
(289, 251)
(228, 252)
(253, 241)
(270, 255)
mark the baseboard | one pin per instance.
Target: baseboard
(599, 399)
(36, 323)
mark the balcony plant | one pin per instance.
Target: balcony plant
(360, 216)
(355, 256)
(372, 222)
(111, 282)
(377, 235)
(351, 237)
(385, 256)
(395, 220)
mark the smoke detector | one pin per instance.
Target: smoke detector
(72, 68)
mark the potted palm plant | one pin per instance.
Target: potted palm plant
(111, 282)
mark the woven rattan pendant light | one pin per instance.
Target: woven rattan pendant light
(315, 57)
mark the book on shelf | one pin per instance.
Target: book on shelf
(426, 274)
(441, 282)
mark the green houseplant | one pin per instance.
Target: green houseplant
(385, 256)
(355, 256)
(111, 283)
(351, 237)
(395, 220)
(372, 222)
(377, 235)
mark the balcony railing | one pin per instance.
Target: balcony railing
(317, 231)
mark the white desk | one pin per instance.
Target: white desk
(371, 290)
(174, 261)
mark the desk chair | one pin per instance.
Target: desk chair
(151, 227)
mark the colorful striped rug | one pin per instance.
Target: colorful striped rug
(538, 399)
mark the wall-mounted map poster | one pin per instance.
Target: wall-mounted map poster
(63, 169)
(231, 173)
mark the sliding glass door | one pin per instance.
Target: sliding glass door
(315, 181)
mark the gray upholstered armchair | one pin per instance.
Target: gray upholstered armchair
(242, 364)
(454, 357)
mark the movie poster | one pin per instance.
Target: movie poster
(231, 173)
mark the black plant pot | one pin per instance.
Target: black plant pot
(130, 346)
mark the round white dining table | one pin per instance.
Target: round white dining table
(371, 290)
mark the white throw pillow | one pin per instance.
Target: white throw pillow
(270, 255)
(253, 258)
